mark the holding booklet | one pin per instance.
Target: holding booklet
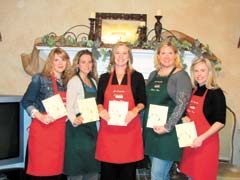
(88, 109)
(117, 112)
(157, 115)
(54, 106)
(186, 133)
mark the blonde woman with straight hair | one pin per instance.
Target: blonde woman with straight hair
(119, 147)
(207, 108)
(169, 86)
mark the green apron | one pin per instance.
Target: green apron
(163, 146)
(81, 144)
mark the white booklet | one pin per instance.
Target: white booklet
(157, 115)
(186, 133)
(54, 106)
(88, 109)
(117, 111)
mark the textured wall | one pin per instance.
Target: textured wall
(213, 22)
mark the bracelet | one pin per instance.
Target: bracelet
(33, 113)
(78, 114)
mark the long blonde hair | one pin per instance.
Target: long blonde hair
(167, 43)
(112, 57)
(48, 67)
(211, 82)
(93, 73)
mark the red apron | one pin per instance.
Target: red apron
(200, 163)
(46, 144)
(119, 144)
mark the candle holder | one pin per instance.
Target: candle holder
(142, 35)
(158, 28)
(91, 35)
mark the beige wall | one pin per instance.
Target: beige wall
(213, 22)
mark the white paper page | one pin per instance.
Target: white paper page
(117, 111)
(55, 106)
(186, 133)
(88, 109)
(157, 115)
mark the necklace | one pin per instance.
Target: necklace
(60, 81)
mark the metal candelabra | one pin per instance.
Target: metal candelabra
(91, 35)
(158, 28)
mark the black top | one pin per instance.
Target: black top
(214, 107)
(137, 85)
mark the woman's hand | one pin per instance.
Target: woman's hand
(186, 119)
(159, 129)
(45, 118)
(197, 142)
(104, 115)
(133, 113)
(78, 120)
(130, 116)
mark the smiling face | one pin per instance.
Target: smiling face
(85, 64)
(58, 65)
(121, 56)
(167, 57)
(200, 73)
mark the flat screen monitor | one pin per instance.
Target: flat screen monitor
(11, 131)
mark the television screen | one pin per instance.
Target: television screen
(11, 131)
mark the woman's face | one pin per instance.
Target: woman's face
(85, 64)
(58, 64)
(167, 57)
(200, 73)
(121, 56)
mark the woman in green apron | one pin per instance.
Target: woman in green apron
(80, 163)
(169, 88)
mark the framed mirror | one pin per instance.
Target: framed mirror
(113, 27)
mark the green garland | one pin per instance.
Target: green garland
(197, 48)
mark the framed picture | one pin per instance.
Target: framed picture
(113, 27)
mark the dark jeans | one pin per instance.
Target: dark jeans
(58, 177)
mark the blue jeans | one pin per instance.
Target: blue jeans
(160, 169)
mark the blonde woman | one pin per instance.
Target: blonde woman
(47, 135)
(120, 147)
(207, 108)
(169, 85)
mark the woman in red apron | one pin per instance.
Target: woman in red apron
(47, 135)
(207, 108)
(120, 147)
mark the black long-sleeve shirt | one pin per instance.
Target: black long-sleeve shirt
(214, 107)
(137, 85)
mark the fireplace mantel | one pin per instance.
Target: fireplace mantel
(143, 59)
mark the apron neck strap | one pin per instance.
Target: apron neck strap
(172, 71)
